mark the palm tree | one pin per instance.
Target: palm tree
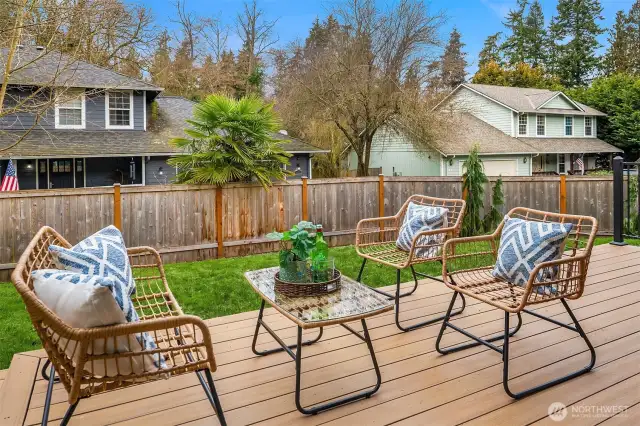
(230, 141)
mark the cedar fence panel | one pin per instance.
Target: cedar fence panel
(180, 220)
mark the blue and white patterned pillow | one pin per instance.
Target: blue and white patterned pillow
(420, 218)
(525, 244)
(103, 253)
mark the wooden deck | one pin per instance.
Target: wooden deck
(419, 386)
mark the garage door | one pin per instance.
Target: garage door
(500, 167)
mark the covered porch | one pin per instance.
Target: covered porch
(419, 385)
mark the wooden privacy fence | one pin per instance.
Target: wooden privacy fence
(186, 222)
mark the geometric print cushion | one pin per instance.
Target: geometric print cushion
(418, 219)
(525, 244)
(103, 254)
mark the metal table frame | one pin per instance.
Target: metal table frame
(297, 357)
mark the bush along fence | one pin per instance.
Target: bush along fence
(189, 222)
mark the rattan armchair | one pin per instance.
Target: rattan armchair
(183, 340)
(376, 241)
(467, 270)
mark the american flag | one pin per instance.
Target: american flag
(10, 180)
(580, 164)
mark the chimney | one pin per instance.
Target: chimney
(283, 132)
(39, 47)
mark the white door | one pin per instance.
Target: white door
(500, 167)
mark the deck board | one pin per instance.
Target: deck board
(419, 385)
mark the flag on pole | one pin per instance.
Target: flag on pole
(580, 164)
(10, 180)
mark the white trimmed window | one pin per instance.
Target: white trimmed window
(522, 125)
(119, 109)
(541, 125)
(568, 126)
(70, 110)
(588, 126)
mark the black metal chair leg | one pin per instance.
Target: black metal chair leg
(212, 394)
(530, 391)
(69, 413)
(44, 373)
(429, 321)
(478, 341)
(322, 407)
(47, 400)
(266, 327)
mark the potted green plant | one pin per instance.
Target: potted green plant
(296, 246)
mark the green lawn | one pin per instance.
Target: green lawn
(210, 288)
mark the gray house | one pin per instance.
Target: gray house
(103, 128)
(519, 131)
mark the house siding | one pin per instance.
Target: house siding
(94, 113)
(395, 155)
(559, 102)
(483, 108)
(152, 171)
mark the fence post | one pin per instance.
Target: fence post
(381, 203)
(563, 194)
(305, 204)
(219, 235)
(117, 207)
(618, 201)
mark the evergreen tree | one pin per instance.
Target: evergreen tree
(160, 69)
(473, 181)
(454, 62)
(535, 36)
(449, 71)
(575, 61)
(490, 51)
(494, 217)
(522, 75)
(618, 56)
(515, 46)
(633, 25)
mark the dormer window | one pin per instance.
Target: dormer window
(70, 110)
(588, 126)
(568, 126)
(522, 125)
(119, 109)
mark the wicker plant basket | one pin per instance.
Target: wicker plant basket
(308, 289)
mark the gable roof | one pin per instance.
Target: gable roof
(525, 99)
(40, 67)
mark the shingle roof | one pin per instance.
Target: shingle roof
(52, 68)
(464, 130)
(569, 145)
(173, 111)
(525, 99)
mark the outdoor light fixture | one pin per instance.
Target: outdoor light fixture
(160, 172)
(29, 165)
(524, 160)
(451, 162)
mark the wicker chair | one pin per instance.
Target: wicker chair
(183, 340)
(467, 270)
(376, 241)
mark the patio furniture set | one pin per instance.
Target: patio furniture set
(533, 257)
